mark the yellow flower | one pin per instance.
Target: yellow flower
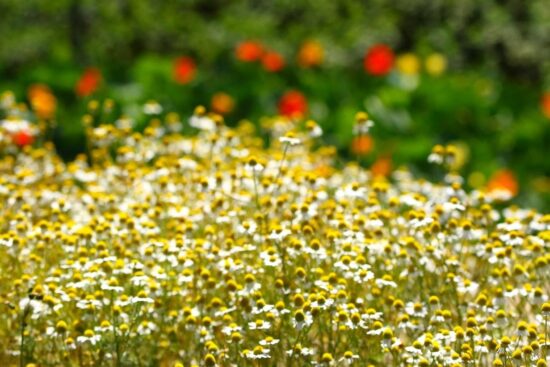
(408, 64)
(436, 64)
(461, 155)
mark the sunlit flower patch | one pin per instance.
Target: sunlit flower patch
(213, 249)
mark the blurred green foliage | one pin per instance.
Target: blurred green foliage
(488, 101)
(508, 35)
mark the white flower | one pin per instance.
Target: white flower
(6, 241)
(124, 123)
(289, 140)
(259, 325)
(299, 350)
(279, 235)
(300, 324)
(378, 331)
(449, 207)
(248, 227)
(270, 260)
(348, 358)
(146, 327)
(263, 309)
(228, 330)
(86, 304)
(202, 123)
(435, 158)
(14, 125)
(385, 283)
(257, 167)
(269, 341)
(258, 353)
(33, 307)
(88, 337)
(106, 287)
(316, 132)
(323, 303)
(362, 127)
(416, 309)
(152, 108)
(499, 195)
(350, 192)
(134, 300)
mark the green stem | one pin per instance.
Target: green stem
(22, 346)
(256, 189)
(285, 149)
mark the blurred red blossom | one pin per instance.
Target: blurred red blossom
(22, 138)
(293, 104)
(273, 61)
(89, 82)
(249, 51)
(378, 60)
(545, 104)
(184, 70)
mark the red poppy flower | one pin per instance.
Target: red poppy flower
(293, 104)
(249, 51)
(22, 138)
(184, 70)
(273, 62)
(89, 82)
(378, 60)
(545, 104)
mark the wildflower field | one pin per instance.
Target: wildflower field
(215, 249)
(281, 183)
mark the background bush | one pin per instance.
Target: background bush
(512, 35)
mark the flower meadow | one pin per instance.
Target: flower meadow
(218, 249)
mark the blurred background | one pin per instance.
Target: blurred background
(472, 73)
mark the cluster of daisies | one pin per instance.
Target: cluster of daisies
(158, 249)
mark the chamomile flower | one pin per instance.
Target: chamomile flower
(217, 248)
(89, 337)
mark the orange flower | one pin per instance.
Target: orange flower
(22, 138)
(379, 60)
(222, 103)
(324, 170)
(249, 51)
(293, 104)
(311, 54)
(89, 82)
(42, 101)
(362, 144)
(273, 61)
(545, 104)
(503, 180)
(382, 167)
(184, 70)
